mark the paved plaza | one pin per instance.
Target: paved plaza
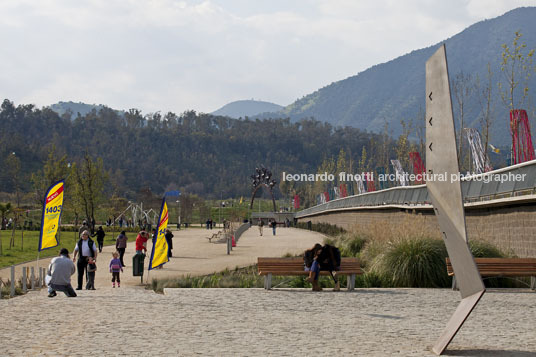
(132, 321)
(255, 322)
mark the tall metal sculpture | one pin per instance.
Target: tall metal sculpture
(262, 177)
(480, 158)
(400, 174)
(446, 195)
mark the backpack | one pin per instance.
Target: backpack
(308, 258)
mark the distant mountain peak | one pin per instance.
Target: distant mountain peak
(247, 108)
(73, 109)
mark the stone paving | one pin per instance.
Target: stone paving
(131, 321)
(254, 322)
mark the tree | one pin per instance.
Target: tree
(485, 96)
(403, 145)
(5, 209)
(87, 182)
(54, 169)
(517, 68)
(462, 88)
(342, 165)
(13, 168)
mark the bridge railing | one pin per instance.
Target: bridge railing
(510, 181)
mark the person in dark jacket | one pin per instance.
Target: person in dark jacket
(100, 238)
(169, 240)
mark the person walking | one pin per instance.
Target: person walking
(60, 270)
(91, 269)
(116, 268)
(141, 242)
(100, 238)
(274, 225)
(260, 224)
(169, 240)
(121, 245)
(83, 227)
(85, 249)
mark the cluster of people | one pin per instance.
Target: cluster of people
(271, 222)
(85, 255)
(322, 258)
(210, 223)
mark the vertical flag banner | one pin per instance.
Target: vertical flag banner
(159, 254)
(50, 221)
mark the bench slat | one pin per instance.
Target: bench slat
(502, 266)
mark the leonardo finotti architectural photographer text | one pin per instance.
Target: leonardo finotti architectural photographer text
(370, 176)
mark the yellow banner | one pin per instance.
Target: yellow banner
(50, 221)
(159, 254)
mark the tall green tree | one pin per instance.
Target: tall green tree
(87, 181)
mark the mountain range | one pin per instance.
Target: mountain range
(394, 91)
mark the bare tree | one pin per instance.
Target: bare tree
(462, 88)
(517, 68)
(485, 96)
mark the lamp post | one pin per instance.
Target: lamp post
(179, 214)
(221, 200)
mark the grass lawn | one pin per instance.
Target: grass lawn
(16, 255)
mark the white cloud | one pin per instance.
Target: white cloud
(177, 55)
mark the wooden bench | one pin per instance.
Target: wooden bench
(502, 267)
(215, 236)
(294, 267)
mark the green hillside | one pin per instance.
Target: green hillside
(395, 90)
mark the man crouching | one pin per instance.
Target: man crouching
(60, 270)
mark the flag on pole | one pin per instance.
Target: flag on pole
(159, 254)
(50, 220)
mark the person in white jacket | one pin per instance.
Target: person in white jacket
(60, 270)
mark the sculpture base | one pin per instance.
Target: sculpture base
(456, 321)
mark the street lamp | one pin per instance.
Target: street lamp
(221, 200)
(179, 217)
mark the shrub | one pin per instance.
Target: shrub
(413, 262)
(352, 244)
(481, 249)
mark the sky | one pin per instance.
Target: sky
(166, 55)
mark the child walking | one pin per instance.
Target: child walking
(91, 268)
(115, 268)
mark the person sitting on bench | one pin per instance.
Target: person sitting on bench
(319, 258)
